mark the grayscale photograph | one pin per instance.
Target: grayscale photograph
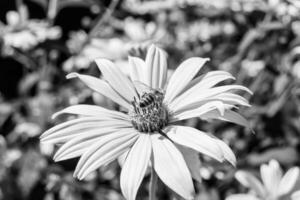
(149, 99)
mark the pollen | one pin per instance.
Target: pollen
(148, 112)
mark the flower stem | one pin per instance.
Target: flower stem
(152, 185)
(100, 21)
(103, 18)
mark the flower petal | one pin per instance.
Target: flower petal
(68, 133)
(171, 168)
(296, 195)
(250, 181)
(288, 181)
(228, 153)
(103, 88)
(105, 150)
(242, 197)
(195, 139)
(81, 142)
(93, 111)
(204, 82)
(229, 116)
(116, 79)
(225, 98)
(271, 175)
(135, 166)
(202, 95)
(138, 69)
(182, 76)
(192, 160)
(156, 61)
(208, 107)
(69, 123)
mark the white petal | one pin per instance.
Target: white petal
(68, 133)
(138, 69)
(82, 141)
(170, 167)
(242, 197)
(105, 150)
(229, 116)
(92, 111)
(203, 83)
(234, 99)
(122, 158)
(135, 166)
(296, 195)
(271, 175)
(75, 151)
(103, 88)
(288, 181)
(228, 154)
(182, 76)
(116, 79)
(210, 79)
(195, 139)
(156, 61)
(13, 18)
(250, 181)
(203, 95)
(69, 123)
(192, 160)
(225, 98)
(208, 107)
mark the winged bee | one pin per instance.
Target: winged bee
(147, 95)
(150, 101)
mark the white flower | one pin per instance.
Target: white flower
(146, 132)
(274, 185)
(296, 195)
(85, 54)
(27, 33)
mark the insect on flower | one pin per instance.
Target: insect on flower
(147, 132)
(148, 114)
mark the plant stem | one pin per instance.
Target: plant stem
(100, 21)
(52, 10)
(105, 17)
(152, 185)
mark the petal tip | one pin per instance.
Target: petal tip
(55, 115)
(43, 139)
(101, 61)
(72, 75)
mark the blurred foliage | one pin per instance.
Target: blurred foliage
(41, 41)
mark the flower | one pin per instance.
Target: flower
(146, 133)
(24, 33)
(296, 195)
(85, 54)
(274, 185)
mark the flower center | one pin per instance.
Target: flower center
(149, 113)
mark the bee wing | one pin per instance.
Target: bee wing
(142, 88)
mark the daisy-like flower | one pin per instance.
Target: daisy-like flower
(274, 184)
(147, 132)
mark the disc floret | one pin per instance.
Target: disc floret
(148, 112)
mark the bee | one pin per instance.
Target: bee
(146, 100)
(149, 106)
(147, 95)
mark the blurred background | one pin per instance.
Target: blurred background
(41, 41)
